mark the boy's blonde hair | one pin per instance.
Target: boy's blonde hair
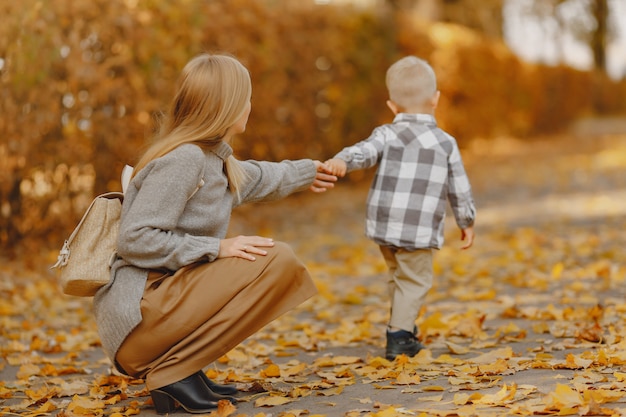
(213, 94)
(411, 82)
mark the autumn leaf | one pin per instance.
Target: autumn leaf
(271, 401)
(272, 371)
(564, 397)
(456, 349)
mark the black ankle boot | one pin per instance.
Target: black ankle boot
(402, 342)
(191, 393)
(221, 392)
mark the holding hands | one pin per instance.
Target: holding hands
(247, 247)
(324, 179)
(336, 166)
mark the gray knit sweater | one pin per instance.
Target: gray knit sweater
(168, 222)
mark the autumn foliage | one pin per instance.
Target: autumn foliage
(82, 82)
(528, 322)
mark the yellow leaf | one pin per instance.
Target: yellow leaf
(557, 270)
(376, 362)
(433, 398)
(45, 408)
(346, 360)
(294, 413)
(388, 412)
(333, 391)
(401, 360)
(224, 409)
(353, 299)
(405, 378)
(85, 403)
(324, 362)
(620, 376)
(493, 355)
(37, 395)
(382, 386)
(295, 370)
(299, 392)
(271, 401)
(460, 399)
(212, 373)
(235, 356)
(564, 397)
(272, 371)
(27, 370)
(499, 398)
(457, 349)
(495, 368)
(449, 360)
(600, 396)
(576, 362)
(433, 388)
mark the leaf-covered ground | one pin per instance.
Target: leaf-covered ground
(527, 322)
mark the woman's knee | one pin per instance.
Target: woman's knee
(283, 257)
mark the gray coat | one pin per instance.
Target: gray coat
(175, 212)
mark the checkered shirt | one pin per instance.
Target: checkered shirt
(419, 168)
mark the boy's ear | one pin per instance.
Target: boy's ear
(434, 101)
(395, 109)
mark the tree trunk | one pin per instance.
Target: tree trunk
(600, 12)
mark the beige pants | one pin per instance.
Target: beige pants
(195, 316)
(410, 278)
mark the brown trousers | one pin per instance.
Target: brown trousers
(410, 278)
(197, 315)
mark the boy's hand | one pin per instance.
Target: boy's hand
(337, 166)
(467, 235)
(323, 179)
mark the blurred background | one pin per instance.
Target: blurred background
(82, 81)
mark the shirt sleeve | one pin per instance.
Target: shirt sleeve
(156, 199)
(268, 181)
(367, 153)
(459, 191)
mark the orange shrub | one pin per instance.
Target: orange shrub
(82, 80)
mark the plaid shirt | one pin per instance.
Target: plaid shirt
(420, 167)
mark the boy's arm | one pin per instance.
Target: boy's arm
(460, 195)
(361, 155)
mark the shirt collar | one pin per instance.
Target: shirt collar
(415, 118)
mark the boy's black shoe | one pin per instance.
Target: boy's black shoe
(402, 342)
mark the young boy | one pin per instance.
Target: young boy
(419, 168)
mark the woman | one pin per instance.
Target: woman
(181, 293)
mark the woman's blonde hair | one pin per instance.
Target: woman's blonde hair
(411, 82)
(213, 94)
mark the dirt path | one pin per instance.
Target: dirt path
(529, 321)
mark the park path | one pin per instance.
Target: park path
(547, 207)
(529, 306)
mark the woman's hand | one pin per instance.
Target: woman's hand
(323, 179)
(244, 247)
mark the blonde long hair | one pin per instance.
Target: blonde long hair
(213, 92)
